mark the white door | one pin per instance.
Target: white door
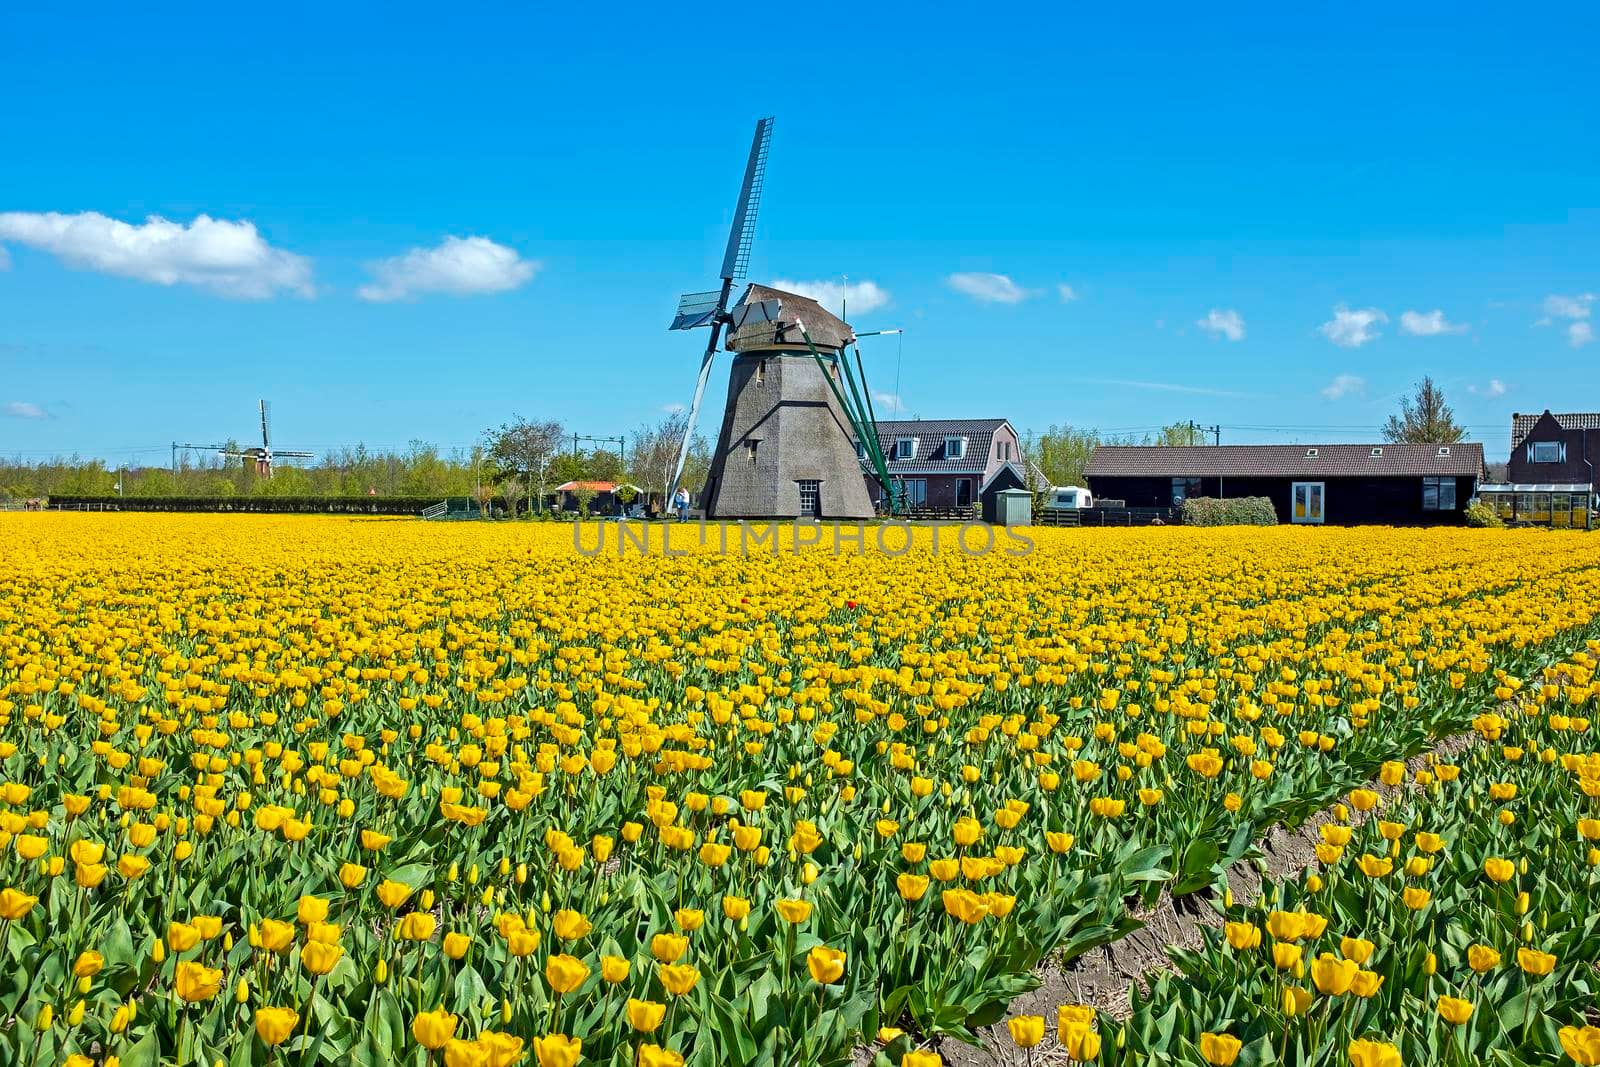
(1307, 502)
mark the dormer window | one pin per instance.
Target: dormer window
(955, 447)
(1444, 450)
(1311, 453)
(1376, 452)
(905, 448)
(1545, 452)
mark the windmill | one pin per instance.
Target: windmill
(262, 457)
(795, 410)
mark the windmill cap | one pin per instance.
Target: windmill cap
(827, 330)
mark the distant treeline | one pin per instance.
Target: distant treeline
(419, 472)
(517, 466)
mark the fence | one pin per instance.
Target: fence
(281, 505)
(1107, 517)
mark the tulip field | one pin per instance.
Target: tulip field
(309, 791)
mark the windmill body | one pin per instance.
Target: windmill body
(785, 448)
(787, 444)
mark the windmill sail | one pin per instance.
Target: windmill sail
(700, 309)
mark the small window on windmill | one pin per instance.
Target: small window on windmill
(752, 446)
(761, 372)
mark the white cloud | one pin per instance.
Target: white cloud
(674, 409)
(1568, 307)
(228, 258)
(1352, 329)
(1428, 324)
(989, 288)
(1220, 323)
(1580, 334)
(5, 258)
(1344, 385)
(18, 409)
(889, 402)
(1495, 388)
(460, 266)
(854, 297)
(1068, 293)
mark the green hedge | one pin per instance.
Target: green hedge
(1243, 511)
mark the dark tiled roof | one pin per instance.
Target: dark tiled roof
(1285, 461)
(930, 435)
(1522, 425)
(827, 330)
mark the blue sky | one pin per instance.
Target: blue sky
(1192, 178)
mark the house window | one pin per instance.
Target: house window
(913, 492)
(1545, 452)
(810, 495)
(905, 448)
(955, 447)
(1003, 450)
(963, 492)
(1438, 494)
(1183, 489)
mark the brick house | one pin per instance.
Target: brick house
(1550, 476)
(950, 465)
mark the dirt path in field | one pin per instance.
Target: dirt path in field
(1104, 976)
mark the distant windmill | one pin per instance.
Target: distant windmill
(262, 457)
(787, 445)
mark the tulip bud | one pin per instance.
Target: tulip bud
(241, 992)
(159, 952)
(1522, 903)
(84, 983)
(227, 941)
(46, 1016)
(381, 974)
(1527, 931)
(75, 1016)
(472, 875)
(453, 873)
(505, 1010)
(1430, 965)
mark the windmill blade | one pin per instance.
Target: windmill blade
(737, 258)
(695, 309)
(266, 417)
(279, 453)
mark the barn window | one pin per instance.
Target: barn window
(1184, 489)
(1438, 494)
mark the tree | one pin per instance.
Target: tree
(1424, 419)
(1061, 453)
(526, 447)
(585, 496)
(655, 453)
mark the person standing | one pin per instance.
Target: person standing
(680, 501)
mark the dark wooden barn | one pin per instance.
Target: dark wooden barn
(1344, 485)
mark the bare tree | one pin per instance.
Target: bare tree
(1424, 419)
(526, 447)
(654, 454)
